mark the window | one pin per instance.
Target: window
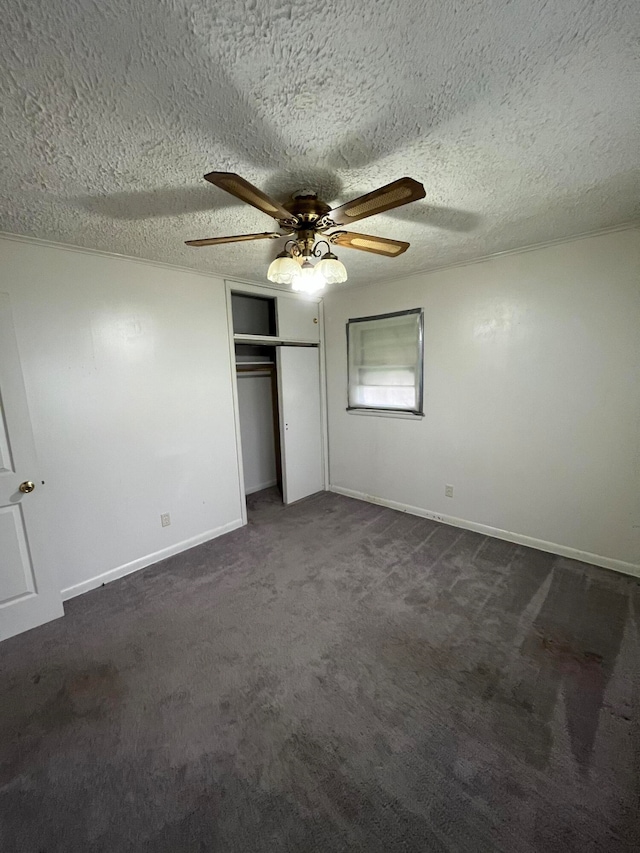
(385, 356)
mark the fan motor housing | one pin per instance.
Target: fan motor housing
(308, 207)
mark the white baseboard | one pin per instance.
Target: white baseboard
(496, 532)
(261, 487)
(150, 559)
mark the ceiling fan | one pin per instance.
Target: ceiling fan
(306, 216)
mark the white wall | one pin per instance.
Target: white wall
(532, 398)
(128, 377)
(255, 408)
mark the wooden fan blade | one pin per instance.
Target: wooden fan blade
(237, 186)
(215, 241)
(400, 192)
(367, 243)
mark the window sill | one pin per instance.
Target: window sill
(386, 413)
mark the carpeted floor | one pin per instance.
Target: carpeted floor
(334, 677)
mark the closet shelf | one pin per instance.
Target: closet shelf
(272, 341)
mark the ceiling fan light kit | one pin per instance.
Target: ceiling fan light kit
(307, 216)
(283, 269)
(306, 277)
(308, 280)
(332, 270)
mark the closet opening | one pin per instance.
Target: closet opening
(257, 383)
(253, 315)
(279, 394)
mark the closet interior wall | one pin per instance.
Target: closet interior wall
(258, 412)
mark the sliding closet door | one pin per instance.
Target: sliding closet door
(300, 422)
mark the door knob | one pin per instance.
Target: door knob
(27, 487)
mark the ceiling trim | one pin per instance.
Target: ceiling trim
(70, 247)
(530, 247)
(52, 244)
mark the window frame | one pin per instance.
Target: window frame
(387, 411)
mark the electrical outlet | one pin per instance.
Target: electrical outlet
(165, 519)
(448, 491)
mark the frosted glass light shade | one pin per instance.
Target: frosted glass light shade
(283, 269)
(332, 270)
(307, 279)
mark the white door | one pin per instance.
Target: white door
(28, 597)
(298, 319)
(300, 422)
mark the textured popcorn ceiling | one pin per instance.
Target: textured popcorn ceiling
(521, 118)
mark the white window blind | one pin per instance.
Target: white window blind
(385, 362)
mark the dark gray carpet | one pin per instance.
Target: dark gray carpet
(334, 677)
